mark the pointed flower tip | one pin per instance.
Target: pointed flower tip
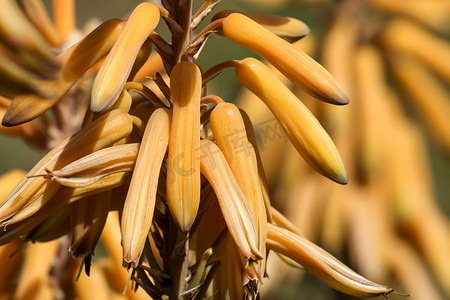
(184, 221)
(336, 169)
(129, 261)
(341, 178)
(16, 117)
(322, 264)
(183, 218)
(332, 168)
(331, 92)
(7, 121)
(337, 174)
(235, 209)
(185, 224)
(98, 105)
(343, 100)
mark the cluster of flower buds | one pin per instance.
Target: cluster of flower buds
(27, 38)
(181, 167)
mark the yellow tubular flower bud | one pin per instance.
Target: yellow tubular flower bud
(284, 27)
(183, 171)
(302, 128)
(35, 190)
(74, 194)
(230, 134)
(95, 166)
(38, 16)
(139, 205)
(322, 264)
(105, 184)
(61, 198)
(20, 33)
(234, 206)
(301, 69)
(64, 14)
(117, 67)
(76, 61)
(66, 195)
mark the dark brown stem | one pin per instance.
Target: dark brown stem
(210, 28)
(176, 250)
(217, 69)
(183, 15)
(168, 18)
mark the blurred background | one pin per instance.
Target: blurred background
(390, 222)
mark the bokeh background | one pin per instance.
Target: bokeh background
(15, 153)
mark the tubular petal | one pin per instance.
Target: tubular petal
(183, 171)
(117, 67)
(302, 128)
(301, 69)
